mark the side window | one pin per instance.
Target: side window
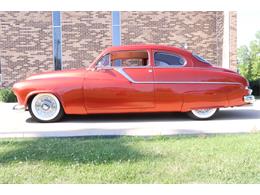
(167, 59)
(104, 61)
(129, 58)
(198, 57)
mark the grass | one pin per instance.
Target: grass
(181, 159)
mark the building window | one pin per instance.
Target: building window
(116, 32)
(57, 40)
(116, 28)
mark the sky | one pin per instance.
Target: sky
(248, 22)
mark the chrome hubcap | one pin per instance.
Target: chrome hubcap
(45, 106)
(204, 113)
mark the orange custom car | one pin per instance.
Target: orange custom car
(135, 78)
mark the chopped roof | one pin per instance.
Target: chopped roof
(144, 46)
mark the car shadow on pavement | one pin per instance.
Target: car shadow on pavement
(129, 117)
(238, 114)
(243, 114)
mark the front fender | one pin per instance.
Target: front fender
(33, 93)
(69, 91)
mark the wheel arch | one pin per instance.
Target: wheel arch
(32, 94)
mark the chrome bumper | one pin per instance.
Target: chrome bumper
(250, 99)
(18, 107)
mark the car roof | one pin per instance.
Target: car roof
(144, 46)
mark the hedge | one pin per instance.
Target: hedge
(255, 86)
(7, 95)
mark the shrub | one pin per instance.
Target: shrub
(7, 95)
(255, 85)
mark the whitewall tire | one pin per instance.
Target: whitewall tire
(45, 107)
(202, 114)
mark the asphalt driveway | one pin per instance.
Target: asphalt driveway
(229, 120)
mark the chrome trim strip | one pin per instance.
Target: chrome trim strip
(171, 66)
(133, 67)
(124, 74)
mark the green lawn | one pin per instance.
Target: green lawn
(182, 159)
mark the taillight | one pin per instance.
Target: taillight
(249, 90)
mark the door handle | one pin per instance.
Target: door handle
(150, 70)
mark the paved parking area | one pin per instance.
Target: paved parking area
(229, 120)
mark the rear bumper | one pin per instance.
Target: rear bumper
(249, 99)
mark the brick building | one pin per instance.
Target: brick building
(32, 42)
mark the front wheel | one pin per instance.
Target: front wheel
(201, 114)
(46, 107)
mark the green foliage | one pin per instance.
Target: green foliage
(249, 59)
(7, 95)
(255, 86)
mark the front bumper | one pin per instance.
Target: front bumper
(18, 107)
(249, 99)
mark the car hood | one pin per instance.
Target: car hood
(58, 74)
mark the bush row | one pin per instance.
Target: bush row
(255, 85)
(7, 95)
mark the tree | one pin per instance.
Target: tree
(249, 59)
(244, 61)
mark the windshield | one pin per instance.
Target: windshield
(198, 57)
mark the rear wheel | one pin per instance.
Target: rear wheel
(202, 114)
(45, 107)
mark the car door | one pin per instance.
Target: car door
(112, 88)
(167, 74)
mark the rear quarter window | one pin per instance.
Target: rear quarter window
(200, 58)
(168, 59)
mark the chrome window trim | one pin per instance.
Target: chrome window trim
(124, 74)
(172, 54)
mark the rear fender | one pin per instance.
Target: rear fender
(200, 99)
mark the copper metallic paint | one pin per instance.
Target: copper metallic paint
(155, 89)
